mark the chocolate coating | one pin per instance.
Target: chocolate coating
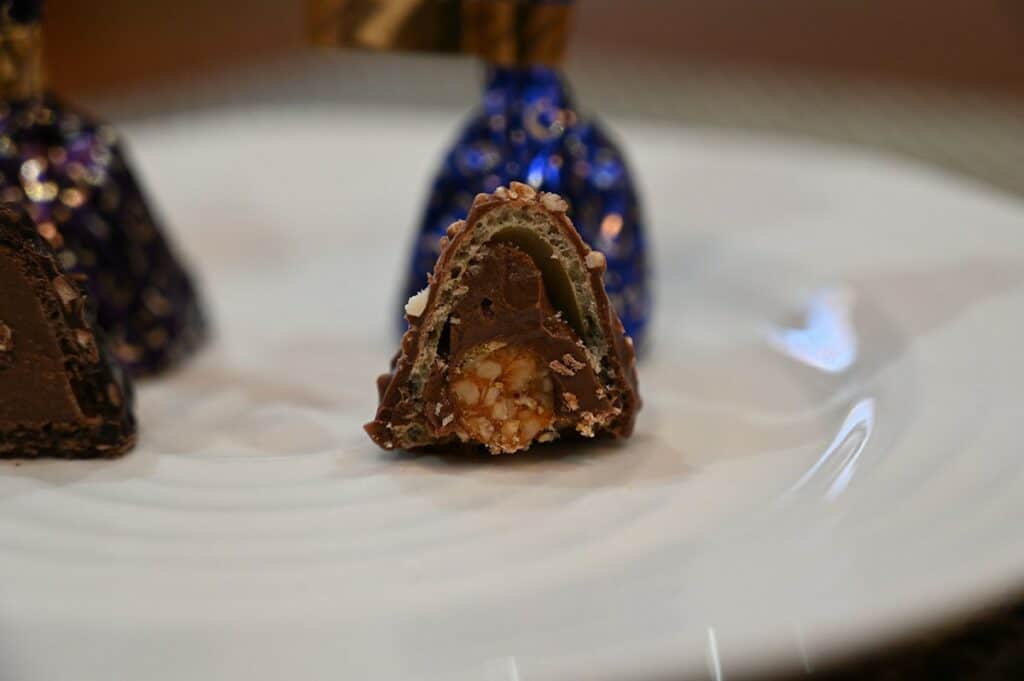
(494, 285)
(60, 393)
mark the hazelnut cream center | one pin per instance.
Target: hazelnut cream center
(504, 399)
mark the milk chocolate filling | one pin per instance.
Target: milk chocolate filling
(35, 387)
(508, 304)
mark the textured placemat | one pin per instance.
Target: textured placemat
(980, 138)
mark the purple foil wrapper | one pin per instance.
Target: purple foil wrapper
(71, 174)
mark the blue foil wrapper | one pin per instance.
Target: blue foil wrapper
(71, 174)
(529, 130)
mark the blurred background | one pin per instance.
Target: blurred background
(937, 80)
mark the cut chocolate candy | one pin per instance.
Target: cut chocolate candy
(71, 172)
(60, 394)
(514, 340)
(72, 175)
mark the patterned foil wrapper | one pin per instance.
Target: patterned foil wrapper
(530, 130)
(71, 174)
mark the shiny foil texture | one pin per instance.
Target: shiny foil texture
(71, 174)
(529, 130)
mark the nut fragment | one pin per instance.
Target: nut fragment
(488, 369)
(87, 342)
(503, 399)
(586, 424)
(560, 368)
(554, 202)
(523, 191)
(596, 260)
(455, 228)
(466, 392)
(65, 290)
(418, 303)
(572, 362)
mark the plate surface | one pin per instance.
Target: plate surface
(830, 453)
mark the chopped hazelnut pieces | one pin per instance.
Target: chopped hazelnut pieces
(503, 399)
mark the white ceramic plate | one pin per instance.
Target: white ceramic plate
(830, 453)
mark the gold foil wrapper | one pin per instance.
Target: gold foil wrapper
(506, 32)
(21, 60)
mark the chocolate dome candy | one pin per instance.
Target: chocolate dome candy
(71, 174)
(60, 393)
(514, 341)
